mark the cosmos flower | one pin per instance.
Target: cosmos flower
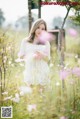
(73, 32)
(9, 62)
(5, 93)
(57, 84)
(16, 98)
(76, 71)
(76, 56)
(25, 90)
(31, 107)
(19, 60)
(51, 64)
(63, 74)
(45, 36)
(63, 117)
(8, 98)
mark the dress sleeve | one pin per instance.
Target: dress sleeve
(22, 49)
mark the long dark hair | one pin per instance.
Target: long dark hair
(33, 29)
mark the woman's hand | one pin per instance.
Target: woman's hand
(39, 55)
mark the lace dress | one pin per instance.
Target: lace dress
(36, 71)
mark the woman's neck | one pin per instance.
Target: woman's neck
(35, 40)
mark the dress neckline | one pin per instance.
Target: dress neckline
(36, 44)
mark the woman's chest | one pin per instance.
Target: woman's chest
(33, 48)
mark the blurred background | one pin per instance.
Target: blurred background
(62, 99)
(15, 14)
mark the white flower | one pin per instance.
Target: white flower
(19, 60)
(57, 84)
(31, 107)
(7, 98)
(5, 59)
(16, 98)
(63, 117)
(76, 56)
(16, 95)
(25, 90)
(65, 67)
(5, 93)
(21, 93)
(21, 64)
(9, 62)
(51, 64)
(67, 64)
(58, 65)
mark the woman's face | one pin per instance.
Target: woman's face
(40, 28)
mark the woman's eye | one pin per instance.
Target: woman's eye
(43, 29)
(37, 27)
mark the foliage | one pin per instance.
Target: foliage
(7, 54)
(71, 4)
(76, 18)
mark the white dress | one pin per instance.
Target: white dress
(36, 71)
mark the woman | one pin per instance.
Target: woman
(36, 56)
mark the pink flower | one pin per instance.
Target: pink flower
(45, 36)
(63, 117)
(73, 32)
(63, 74)
(76, 71)
(31, 107)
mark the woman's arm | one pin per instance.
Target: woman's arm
(21, 53)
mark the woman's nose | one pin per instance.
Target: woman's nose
(40, 30)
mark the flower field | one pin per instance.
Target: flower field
(59, 100)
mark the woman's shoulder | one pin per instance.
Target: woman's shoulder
(25, 40)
